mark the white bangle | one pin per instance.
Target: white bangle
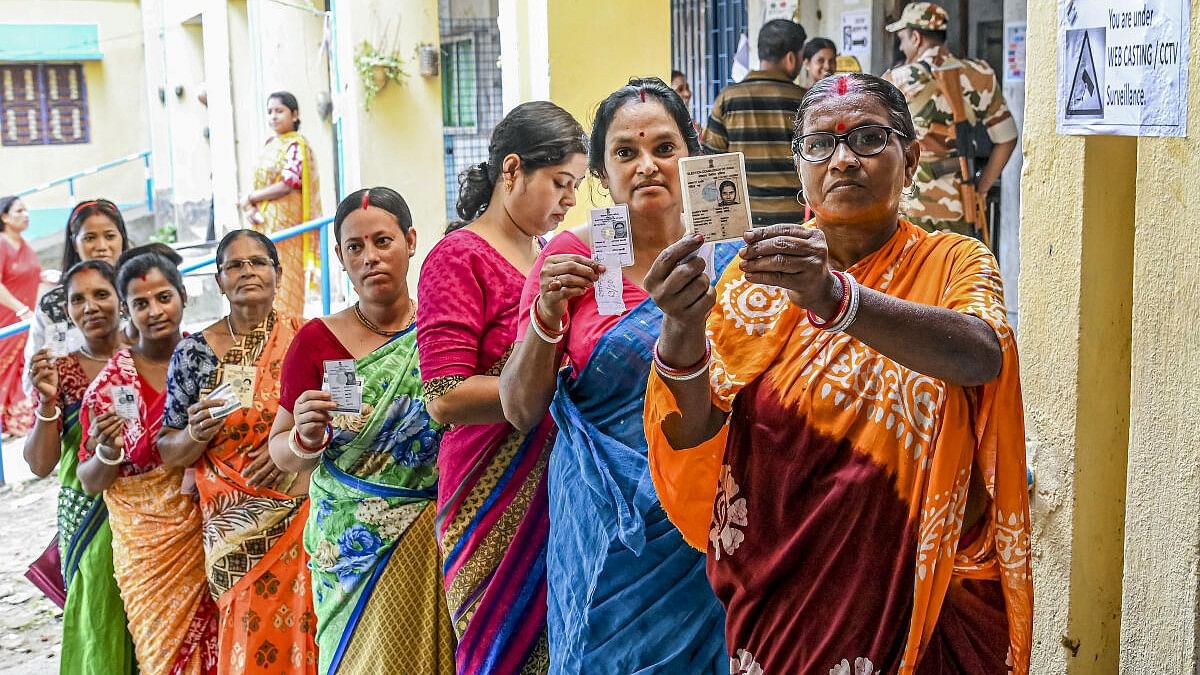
(851, 309)
(111, 462)
(57, 414)
(701, 371)
(537, 328)
(294, 446)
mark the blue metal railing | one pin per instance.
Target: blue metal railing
(321, 224)
(70, 180)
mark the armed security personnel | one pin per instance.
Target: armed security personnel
(960, 116)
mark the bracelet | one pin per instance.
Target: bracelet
(851, 311)
(104, 460)
(543, 331)
(38, 414)
(304, 452)
(701, 367)
(843, 304)
(192, 435)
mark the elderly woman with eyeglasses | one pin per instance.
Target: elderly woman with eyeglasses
(844, 435)
(222, 394)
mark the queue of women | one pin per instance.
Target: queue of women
(813, 463)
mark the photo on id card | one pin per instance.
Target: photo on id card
(715, 199)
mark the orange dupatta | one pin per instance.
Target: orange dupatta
(904, 420)
(253, 536)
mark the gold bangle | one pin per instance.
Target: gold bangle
(193, 435)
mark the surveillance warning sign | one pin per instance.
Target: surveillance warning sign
(1123, 67)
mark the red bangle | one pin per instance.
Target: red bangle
(683, 372)
(842, 305)
(322, 446)
(552, 332)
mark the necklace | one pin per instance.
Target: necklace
(238, 340)
(408, 321)
(87, 354)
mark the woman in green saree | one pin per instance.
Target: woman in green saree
(377, 582)
(95, 637)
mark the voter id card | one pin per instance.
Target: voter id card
(342, 382)
(611, 234)
(125, 401)
(56, 339)
(229, 401)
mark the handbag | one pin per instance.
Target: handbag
(46, 574)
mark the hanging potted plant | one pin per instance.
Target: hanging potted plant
(376, 67)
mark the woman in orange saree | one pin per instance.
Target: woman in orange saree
(286, 193)
(158, 558)
(848, 443)
(253, 515)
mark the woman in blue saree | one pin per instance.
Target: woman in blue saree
(626, 593)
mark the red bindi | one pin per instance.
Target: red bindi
(841, 126)
(642, 134)
(843, 85)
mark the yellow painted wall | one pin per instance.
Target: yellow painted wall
(116, 107)
(636, 42)
(1159, 624)
(1111, 363)
(400, 139)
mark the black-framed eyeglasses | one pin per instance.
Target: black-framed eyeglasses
(865, 141)
(258, 262)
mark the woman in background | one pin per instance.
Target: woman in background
(95, 231)
(819, 60)
(20, 274)
(286, 193)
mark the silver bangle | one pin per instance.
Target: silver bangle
(851, 309)
(104, 460)
(57, 414)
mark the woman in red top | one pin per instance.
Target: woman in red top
(20, 273)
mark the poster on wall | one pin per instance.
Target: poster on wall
(856, 36)
(1014, 52)
(779, 9)
(1122, 67)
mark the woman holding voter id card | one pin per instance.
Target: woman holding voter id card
(94, 636)
(222, 394)
(158, 555)
(352, 411)
(626, 593)
(844, 435)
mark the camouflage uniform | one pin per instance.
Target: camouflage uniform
(935, 203)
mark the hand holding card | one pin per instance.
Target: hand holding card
(229, 401)
(714, 196)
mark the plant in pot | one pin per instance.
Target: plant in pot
(376, 67)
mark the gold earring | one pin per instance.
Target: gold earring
(508, 183)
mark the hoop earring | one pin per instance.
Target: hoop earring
(800, 196)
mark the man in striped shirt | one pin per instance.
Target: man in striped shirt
(755, 117)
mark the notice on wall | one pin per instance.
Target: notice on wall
(1014, 52)
(779, 9)
(1122, 68)
(856, 35)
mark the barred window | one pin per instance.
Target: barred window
(460, 100)
(43, 104)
